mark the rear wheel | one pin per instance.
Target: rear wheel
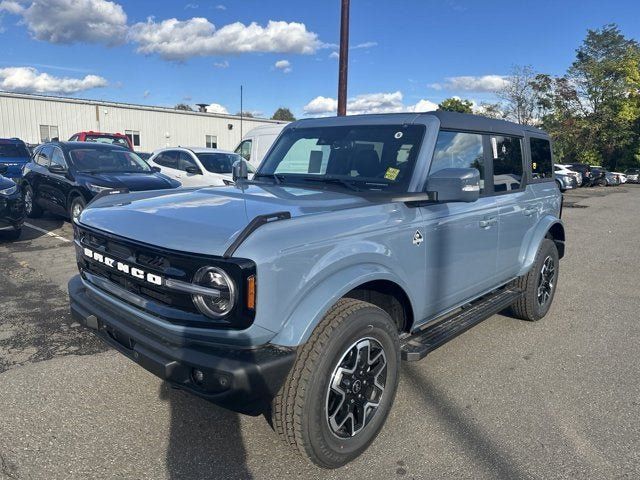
(76, 208)
(341, 388)
(539, 285)
(31, 209)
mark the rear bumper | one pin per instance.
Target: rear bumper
(240, 379)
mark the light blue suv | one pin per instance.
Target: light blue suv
(362, 241)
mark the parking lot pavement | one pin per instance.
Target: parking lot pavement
(559, 398)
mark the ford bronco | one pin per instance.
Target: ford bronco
(361, 241)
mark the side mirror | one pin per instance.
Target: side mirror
(4, 169)
(193, 170)
(155, 169)
(57, 169)
(240, 170)
(455, 185)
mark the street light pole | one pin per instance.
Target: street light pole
(344, 59)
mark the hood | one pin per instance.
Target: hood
(206, 220)
(134, 182)
(15, 165)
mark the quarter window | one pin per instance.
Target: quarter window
(168, 159)
(459, 150)
(211, 141)
(48, 133)
(507, 163)
(134, 137)
(541, 163)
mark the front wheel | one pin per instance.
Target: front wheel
(76, 208)
(342, 385)
(31, 209)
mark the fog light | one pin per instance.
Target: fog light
(197, 376)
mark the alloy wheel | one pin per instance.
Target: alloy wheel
(546, 281)
(28, 201)
(356, 388)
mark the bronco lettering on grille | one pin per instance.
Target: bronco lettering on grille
(123, 267)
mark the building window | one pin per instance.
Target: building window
(212, 141)
(134, 137)
(48, 133)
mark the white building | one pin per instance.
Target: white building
(39, 118)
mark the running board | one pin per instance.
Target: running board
(425, 341)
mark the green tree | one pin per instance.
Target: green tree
(183, 106)
(455, 104)
(245, 114)
(283, 114)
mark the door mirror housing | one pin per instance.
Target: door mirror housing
(3, 169)
(193, 170)
(155, 169)
(454, 185)
(57, 169)
(240, 170)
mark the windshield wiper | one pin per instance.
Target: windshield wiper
(277, 178)
(335, 180)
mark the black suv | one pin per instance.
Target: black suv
(63, 177)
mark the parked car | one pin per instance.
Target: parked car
(196, 167)
(257, 142)
(565, 170)
(14, 154)
(100, 137)
(584, 170)
(633, 175)
(11, 207)
(64, 176)
(361, 241)
(599, 177)
(566, 182)
(621, 177)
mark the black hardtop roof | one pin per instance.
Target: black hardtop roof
(448, 120)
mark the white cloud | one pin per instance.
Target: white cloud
(223, 64)
(364, 45)
(175, 39)
(284, 66)
(220, 7)
(71, 21)
(334, 55)
(484, 83)
(146, 93)
(29, 80)
(217, 108)
(384, 102)
(191, 6)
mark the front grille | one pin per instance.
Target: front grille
(175, 306)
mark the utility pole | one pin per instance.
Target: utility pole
(241, 112)
(344, 59)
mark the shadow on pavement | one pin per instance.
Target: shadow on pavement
(469, 436)
(205, 440)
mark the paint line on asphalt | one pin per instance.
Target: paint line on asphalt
(47, 232)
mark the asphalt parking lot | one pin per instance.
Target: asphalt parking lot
(559, 398)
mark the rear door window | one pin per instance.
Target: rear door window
(541, 159)
(507, 163)
(168, 159)
(44, 156)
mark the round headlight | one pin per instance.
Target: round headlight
(214, 306)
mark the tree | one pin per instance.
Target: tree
(455, 104)
(520, 99)
(490, 110)
(283, 114)
(245, 114)
(183, 106)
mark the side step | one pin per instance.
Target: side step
(423, 342)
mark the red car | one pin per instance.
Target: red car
(112, 138)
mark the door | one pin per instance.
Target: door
(190, 179)
(516, 202)
(168, 163)
(461, 238)
(58, 184)
(37, 177)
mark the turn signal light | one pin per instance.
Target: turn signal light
(251, 292)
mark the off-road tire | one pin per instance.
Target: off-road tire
(527, 307)
(299, 411)
(36, 211)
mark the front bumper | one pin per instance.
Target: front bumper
(240, 379)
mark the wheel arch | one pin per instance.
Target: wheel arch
(548, 227)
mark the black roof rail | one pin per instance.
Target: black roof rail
(252, 226)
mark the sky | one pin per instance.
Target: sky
(405, 55)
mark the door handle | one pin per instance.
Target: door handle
(529, 211)
(488, 222)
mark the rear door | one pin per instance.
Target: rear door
(461, 239)
(168, 163)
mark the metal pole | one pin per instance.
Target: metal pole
(241, 112)
(344, 59)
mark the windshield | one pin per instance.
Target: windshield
(218, 162)
(99, 160)
(371, 157)
(13, 150)
(120, 141)
(633, 171)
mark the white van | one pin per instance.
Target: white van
(258, 141)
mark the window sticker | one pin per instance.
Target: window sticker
(398, 135)
(392, 173)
